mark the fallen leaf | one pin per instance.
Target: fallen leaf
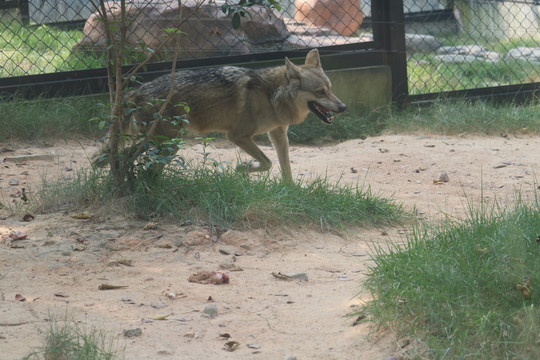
(281, 276)
(62, 295)
(353, 170)
(231, 345)
(359, 320)
(150, 226)
(525, 289)
(224, 336)
(164, 246)
(160, 317)
(16, 246)
(209, 277)
(429, 145)
(111, 287)
(28, 217)
(437, 182)
(81, 216)
(19, 297)
(17, 235)
(482, 250)
(125, 262)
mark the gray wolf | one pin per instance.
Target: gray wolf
(241, 103)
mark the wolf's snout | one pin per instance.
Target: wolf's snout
(342, 108)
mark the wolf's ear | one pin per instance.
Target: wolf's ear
(293, 72)
(313, 59)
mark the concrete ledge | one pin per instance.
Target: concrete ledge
(363, 89)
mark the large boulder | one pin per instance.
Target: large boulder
(207, 31)
(343, 16)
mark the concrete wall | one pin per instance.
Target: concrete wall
(363, 89)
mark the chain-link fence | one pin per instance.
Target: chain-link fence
(38, 36)
(451, 44)
(469, 44)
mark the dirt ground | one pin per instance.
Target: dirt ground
(62, 262)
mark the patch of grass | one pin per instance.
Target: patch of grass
(453, 117)
(61, 118)
(346, 126)
(453, 286)
(225, 198)
(40, 49)
(66, 341)
(51, 118)
(429, 75)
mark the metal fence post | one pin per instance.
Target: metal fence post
(389, 35)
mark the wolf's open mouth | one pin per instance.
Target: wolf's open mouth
(322, 112)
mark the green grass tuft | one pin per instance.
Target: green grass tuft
(225, 198)
(65, 341)
(453, 286)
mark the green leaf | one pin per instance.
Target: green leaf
(236, 21)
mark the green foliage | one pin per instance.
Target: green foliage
(67, 341)
(428, 75)
(237, 10)
(50, 118)
(345, 127)
(216, 195)
(39, 49)
(455, 286)
(453, 117)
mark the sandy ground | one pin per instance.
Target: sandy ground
(58, 268)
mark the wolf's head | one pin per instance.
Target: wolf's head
(315, 89)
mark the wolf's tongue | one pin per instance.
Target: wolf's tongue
(322, 112)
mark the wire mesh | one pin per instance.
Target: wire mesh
(469, 44)
(451, 44)
(48, 36)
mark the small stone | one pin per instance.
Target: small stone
(210, 311)
(444, 177)
(13, 182)
(229, 265)
(302, 276)
(289, 357)
(227, 250)
(131, 333)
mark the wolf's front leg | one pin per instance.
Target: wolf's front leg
(248, 145)
(279, 138)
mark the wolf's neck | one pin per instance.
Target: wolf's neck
(283, 92)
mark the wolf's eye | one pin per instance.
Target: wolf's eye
(321, 92)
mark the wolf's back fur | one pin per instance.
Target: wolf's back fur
(241, 103)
